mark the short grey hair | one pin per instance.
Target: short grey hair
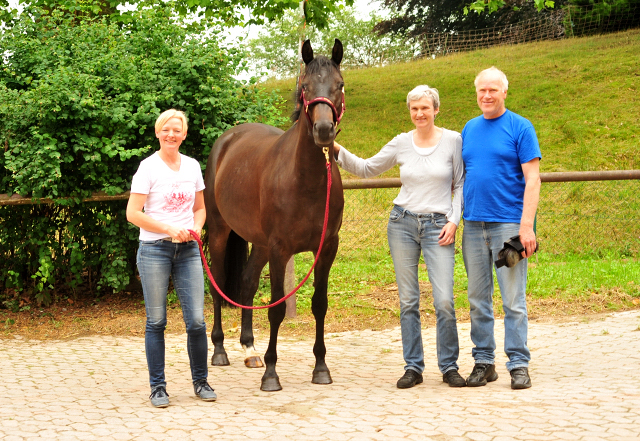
(496, 73)
(422, 91)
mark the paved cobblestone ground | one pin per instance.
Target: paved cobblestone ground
(586, 386)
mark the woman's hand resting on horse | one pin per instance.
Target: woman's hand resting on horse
(336, 149)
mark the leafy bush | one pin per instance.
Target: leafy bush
(79, 96)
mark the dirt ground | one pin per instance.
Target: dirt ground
(124, 314)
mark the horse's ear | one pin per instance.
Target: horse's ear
(307, 52)
(336, 54)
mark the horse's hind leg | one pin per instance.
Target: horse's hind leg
(250, 281)
(277, 265)
(217, 249)
(219, 357)
(319, 305)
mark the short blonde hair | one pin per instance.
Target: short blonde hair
(422, 91)
(167, 115)
(495, 72)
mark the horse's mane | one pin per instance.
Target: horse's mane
(315, 66)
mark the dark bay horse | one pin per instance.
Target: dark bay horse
(269, 188)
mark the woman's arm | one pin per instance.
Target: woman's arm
(448, 233)
(199, 213)
(137, 217)
(367, 168)
(457, 204)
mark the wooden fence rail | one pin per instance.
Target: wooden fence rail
(356, 184)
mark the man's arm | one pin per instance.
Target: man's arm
(531, 171)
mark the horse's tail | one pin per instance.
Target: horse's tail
(234, 263)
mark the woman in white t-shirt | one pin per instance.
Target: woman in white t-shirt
(166, 201)
(424, 219)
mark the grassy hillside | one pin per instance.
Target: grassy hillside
(582, 95)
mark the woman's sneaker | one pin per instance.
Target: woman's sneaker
(204, 391)
(159, 397)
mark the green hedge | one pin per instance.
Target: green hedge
(79, 96)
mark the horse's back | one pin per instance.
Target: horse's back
(249, 136)
(234, 174)
(242, 141)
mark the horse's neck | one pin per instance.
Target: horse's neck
(308, 157)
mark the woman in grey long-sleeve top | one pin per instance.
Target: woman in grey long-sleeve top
(424, 219)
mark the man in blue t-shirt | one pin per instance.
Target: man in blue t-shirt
(502, 163)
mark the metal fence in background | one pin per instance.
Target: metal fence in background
(579, 212)
(568, 21)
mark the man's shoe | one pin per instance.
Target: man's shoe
(204, 391)
(520, 378)
(409, 379)
(159, 397)
(482, 374)
(453, 378)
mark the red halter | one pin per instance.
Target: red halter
(321, 99)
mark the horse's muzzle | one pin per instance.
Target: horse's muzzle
(324, 132)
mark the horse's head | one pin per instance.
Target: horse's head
(321, 94)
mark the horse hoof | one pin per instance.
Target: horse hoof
(253, 362)
(220, 360)
(321, 377)
(271, 384)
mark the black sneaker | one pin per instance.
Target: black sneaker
(453, 378)
(520, 378)
(159, 396)
(409, 379)
(482, 374)
(204, 391)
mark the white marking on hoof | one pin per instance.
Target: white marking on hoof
(250, 351)
(252, 360)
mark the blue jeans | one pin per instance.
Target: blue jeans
(157, 260)
(409, 234)
(481, 242)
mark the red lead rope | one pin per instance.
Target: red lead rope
(324, 230)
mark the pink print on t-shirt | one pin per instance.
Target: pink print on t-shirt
(177, 200)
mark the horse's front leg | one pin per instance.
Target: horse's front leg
(250, 282)
(277, 265)
(319, 305)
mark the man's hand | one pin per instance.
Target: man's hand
(528, 240)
